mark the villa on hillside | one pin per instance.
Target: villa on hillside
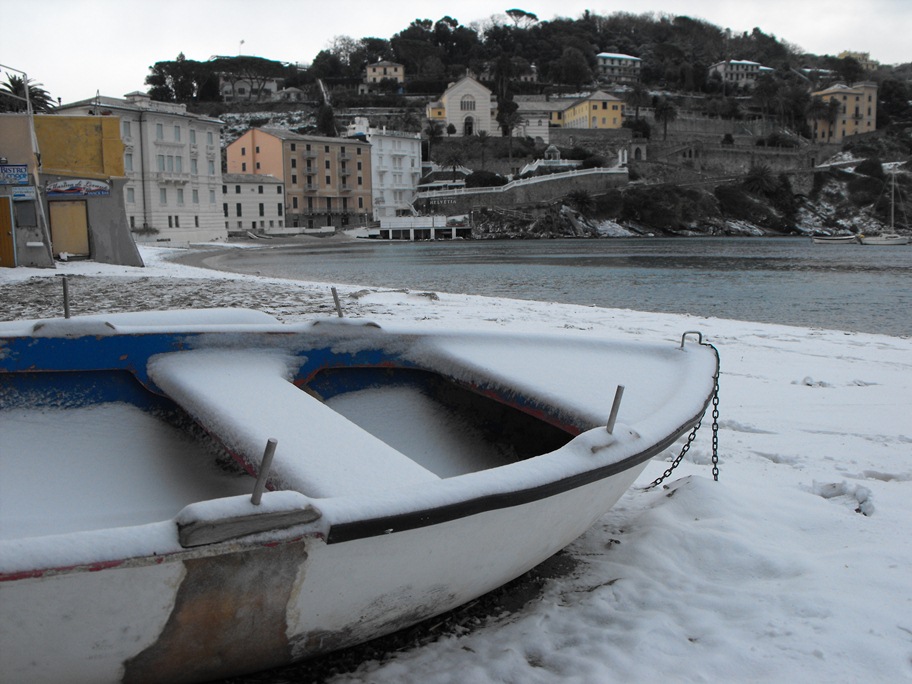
(598, 110)
(618, 68)
(739, 72)
(857, 112)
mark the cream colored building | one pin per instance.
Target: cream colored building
(173, 166)
(253, 203)
(467, 105)
(857, 112)
(377, 72)
(618, 68)
(740, 72)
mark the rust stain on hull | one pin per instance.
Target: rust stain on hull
(229, 618)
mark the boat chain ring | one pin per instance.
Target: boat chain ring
(693, 433)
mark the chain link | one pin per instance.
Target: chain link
(693, 433)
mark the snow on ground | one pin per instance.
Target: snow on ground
(795, 565)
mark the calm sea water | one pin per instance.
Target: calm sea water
(781, 280)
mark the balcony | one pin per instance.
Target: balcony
(178, 178)
(344, 157)
(345, 187)
(309, 154)
(310, 187)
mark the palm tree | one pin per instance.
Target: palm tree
(453, 159)
(13, 95)
(637, 97)
(483, 140)
(665, 111)
(434, 132)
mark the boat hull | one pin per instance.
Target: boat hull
(226, 587)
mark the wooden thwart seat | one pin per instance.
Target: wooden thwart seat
(244, 397)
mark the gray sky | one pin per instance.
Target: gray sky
(77, 47)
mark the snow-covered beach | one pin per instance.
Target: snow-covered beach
(796, 564)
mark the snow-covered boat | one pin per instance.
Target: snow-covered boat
(411, 471)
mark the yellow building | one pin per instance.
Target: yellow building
(598, 110)
(69, 201)
(857, 112)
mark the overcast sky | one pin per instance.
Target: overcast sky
(77, 47)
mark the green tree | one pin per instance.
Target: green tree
(574, 68)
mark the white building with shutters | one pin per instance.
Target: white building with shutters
(172, 160)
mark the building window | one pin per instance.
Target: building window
(294, 163)
(243, 151)
(326, 149)
(128, 161)
(180, 197)
(132, 222)
(279, 207)
(131, 196)
(262, 209)
(237, 210)
(209, 138)
(160, 160)
(467, 104)
(360, 181)
(328, 180)
(196, 221)
(260, 189)
(159, 131)
(177, 133)
(294, 202)
(258, 165)
(163, 195)
(126, 130)
(257, 149)
(279, 189)
(170, 222)
(211, 196)
(177, 222)
(243, 166)
(211, 167)
(326, 164)
(294, 179)
(237, 189)
(225, 209)
(193, 136)
(360, 203)
(196, 196)
(359, 166)
(293, 147)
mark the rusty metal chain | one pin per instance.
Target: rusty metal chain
(693, 433)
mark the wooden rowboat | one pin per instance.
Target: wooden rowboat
(411, 472)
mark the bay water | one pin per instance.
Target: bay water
(770, 280)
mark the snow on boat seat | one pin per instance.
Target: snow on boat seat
(244, 397)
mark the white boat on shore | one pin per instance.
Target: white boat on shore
(835, 239)
(410, 472)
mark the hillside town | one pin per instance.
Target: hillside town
(446, 146)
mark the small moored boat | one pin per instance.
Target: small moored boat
(406, 472)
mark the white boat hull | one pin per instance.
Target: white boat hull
(226, 587)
